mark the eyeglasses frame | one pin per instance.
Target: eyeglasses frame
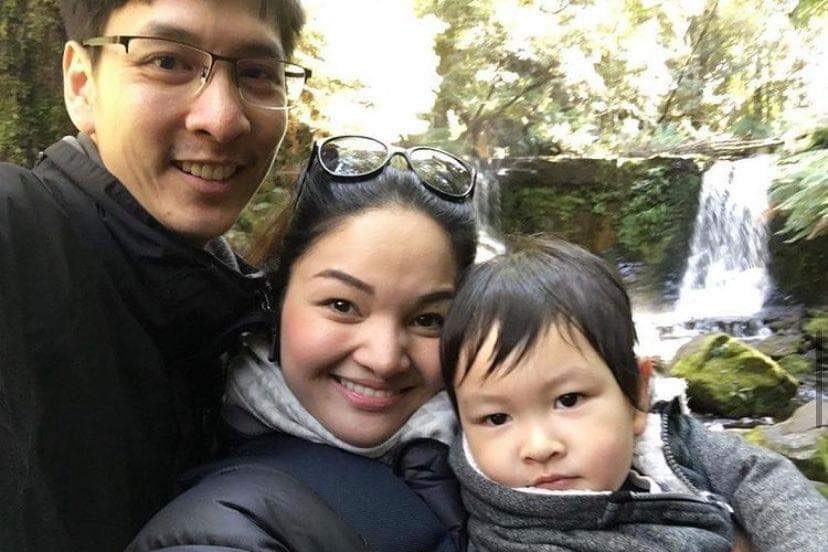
(391, 152)
(124, 40)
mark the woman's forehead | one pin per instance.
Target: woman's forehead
(391, 244)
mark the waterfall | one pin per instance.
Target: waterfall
(487, 208)
(726, 272)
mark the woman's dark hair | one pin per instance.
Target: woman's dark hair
(539, 283)
(326, 201)
(84, 19)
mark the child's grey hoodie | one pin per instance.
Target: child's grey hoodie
(706, 482)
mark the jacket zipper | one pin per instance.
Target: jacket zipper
(674, 466)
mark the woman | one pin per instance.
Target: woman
(340, 423)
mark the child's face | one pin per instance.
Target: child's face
(558, 420)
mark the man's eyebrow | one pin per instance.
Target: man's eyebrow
(251, 48)
(347, 279)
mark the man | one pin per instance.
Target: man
(116, 297)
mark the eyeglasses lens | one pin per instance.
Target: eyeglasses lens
(266, 82)
(441, 171)
(352, 156)
(168, 63)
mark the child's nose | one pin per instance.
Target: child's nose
(542, 444)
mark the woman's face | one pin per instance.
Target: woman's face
(361, 320)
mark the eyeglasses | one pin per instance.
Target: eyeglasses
(361, 156)
(269, 83)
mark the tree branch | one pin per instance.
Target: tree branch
(668, 103)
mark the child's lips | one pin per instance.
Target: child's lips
(554, 482)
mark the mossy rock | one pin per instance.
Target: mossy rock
(728, 378)
(801, 439)
(778, 346)
(816, 327)
(796, 365)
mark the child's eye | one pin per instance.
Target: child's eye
(569, 400)
(496, 419)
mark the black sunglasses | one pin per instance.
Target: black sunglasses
(360, 156)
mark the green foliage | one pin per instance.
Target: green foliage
(31, 90)
(801, 195)
(581, 82)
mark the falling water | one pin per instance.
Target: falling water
(726, 272)
(487, 206)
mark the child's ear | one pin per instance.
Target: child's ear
(645, 369)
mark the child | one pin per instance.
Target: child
(559, 452)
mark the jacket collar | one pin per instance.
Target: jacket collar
(185, 297)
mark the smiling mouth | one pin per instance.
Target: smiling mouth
(366, 391)
(207, 171)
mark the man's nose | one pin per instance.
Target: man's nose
(218, 109)
(541, 443)
(383, 348)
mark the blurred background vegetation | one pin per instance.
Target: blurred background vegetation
(515, 78)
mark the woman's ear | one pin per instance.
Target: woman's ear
(79, 87)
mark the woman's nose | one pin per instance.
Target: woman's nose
(383, 348)
(541, 444)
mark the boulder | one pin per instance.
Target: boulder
(803, 439)
(817, 328)
(797, 365)
(778, 346)
(728, 378)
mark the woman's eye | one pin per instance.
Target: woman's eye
(341, 306)
(496, 419)
(432, 321)
(569, 400)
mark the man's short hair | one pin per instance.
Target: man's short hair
(539, 283)
(85, 19)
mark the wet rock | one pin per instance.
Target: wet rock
(778, 346)
(803, 439)
(797, 365)
(728, 378)
(817, 328)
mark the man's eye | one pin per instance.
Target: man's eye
(569, 400)
(171, 63)
(496, 419)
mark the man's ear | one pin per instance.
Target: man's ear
(79, 87)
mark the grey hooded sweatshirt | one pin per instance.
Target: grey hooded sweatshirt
(698, 486)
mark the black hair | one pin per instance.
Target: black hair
(324, 202)
(85, 19)
(539, 283)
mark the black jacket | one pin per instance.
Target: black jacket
(110, 333)
(267, 494)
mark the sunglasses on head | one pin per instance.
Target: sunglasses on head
(360, 156)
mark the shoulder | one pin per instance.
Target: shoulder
(247, 504)
(25, 200)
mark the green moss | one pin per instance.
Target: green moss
(796, 365)
(729, 378)
(816, 327)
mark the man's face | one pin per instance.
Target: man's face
(192, 161)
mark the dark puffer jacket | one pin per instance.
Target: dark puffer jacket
(110, 332)
(267, 496)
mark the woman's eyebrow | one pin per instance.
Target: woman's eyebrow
(346, 278)
(435, 296)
